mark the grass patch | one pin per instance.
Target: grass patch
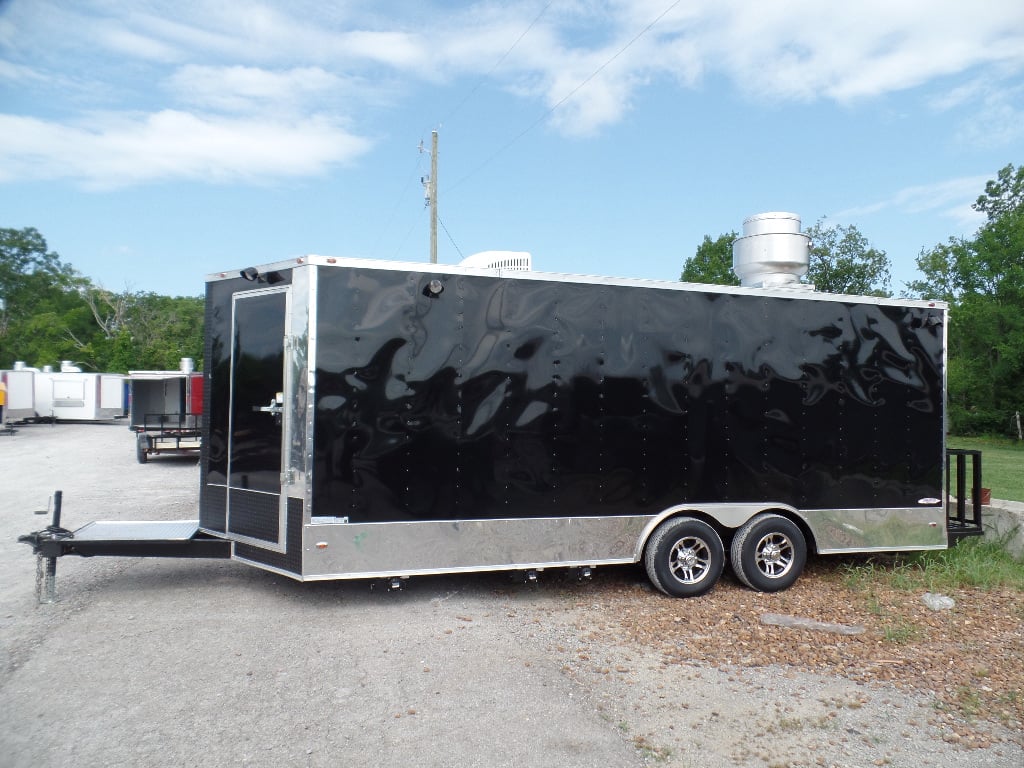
(975, 562)
(900, 633)
(1002, 464)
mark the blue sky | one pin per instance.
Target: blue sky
(154, 142)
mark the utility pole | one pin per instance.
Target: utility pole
(430, 187)
(433, 197)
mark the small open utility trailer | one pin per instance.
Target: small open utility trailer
(166, 410)
(372, 419)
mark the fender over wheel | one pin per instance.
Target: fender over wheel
(684, 557)
(768, 553)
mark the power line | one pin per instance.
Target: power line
(408, 232)
(399, 202)
(497, 64)
(452, 239)
(565, 98)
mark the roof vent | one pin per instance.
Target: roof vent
(772, 252)
(515, 261)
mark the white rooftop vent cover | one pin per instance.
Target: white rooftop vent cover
(772, 252)
(516, 261)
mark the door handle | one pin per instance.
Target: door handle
(275, 407)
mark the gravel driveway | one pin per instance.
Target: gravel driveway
(214, 663)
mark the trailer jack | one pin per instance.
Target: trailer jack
(46, 544)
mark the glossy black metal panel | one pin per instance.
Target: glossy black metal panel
(257, 377)
(514, 398)
(217, 396)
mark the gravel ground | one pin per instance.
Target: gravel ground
(214, 663)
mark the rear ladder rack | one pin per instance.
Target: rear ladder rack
(963, 503)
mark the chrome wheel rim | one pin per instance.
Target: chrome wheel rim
(690, 560)
(774, 555)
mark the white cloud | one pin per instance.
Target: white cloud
(130, 43)
(113, 150)
(605, 102)
(990, 113)
(952, 199)
(18, 73)
(295, 59)
(248, 89)
(806, 49)
(801, 50)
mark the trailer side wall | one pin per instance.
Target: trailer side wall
(504, 398)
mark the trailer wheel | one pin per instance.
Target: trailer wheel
(768, 553)
(142, 448)
(684, 557)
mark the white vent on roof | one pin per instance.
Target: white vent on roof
(516, 261)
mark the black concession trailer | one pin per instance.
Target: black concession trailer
(371, 419)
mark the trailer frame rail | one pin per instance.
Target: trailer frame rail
(176, 433)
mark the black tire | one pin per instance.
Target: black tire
(768, 553)
(684, 557)
(142, 449)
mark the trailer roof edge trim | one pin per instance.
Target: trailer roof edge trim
(803, 292)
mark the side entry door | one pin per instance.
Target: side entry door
(259, 391)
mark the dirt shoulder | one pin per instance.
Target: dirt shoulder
(969, 657)
(941, 686)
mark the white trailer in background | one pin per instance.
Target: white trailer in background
(71, 395)
(21, 395)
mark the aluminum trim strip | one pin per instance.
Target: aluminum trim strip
(877, 529)
(489, 569)
(359, 549)
(868, 550)
(265, 567)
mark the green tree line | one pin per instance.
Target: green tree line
(981, 277)
(50, 312)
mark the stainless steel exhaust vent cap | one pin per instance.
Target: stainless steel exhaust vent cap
(772, 252)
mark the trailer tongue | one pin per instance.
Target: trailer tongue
(369, 419)
(140, 538)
